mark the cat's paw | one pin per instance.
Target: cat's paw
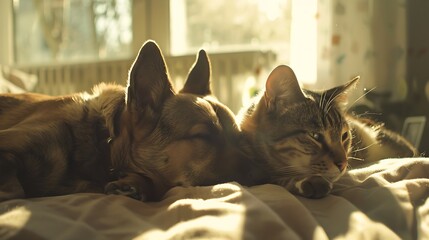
(128, 184)
(123, 188)
(313, 187)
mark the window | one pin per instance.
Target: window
(303, 42)
(289, 28)
(229, 25)
(87, 30)
(71, 30)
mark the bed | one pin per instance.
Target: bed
(387, 200)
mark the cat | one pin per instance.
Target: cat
(373, 142)
(305, 138)
(139, 140)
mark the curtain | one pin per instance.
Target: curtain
(365, 38)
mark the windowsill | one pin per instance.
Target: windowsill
(74, 62)
(226, 50)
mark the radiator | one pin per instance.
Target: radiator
(229, 71)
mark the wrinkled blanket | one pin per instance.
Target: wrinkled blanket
(388, 200)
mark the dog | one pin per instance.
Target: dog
(139, 140)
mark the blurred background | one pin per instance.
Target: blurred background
(63, 46)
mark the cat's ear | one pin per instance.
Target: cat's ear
(198, 81)
(148, 81)
(339, 93)
(282, 84)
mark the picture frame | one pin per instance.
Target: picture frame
(413, 129)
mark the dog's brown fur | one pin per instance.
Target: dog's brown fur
(152, 137)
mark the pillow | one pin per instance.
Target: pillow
(16, 81)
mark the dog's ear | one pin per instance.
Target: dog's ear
(148, 80)
(198, 81)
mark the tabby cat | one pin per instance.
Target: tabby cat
(305, 138)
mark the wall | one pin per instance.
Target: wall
(418, 63)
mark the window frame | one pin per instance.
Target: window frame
(150, 20)
(6, 41)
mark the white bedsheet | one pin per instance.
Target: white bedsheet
(388, 200)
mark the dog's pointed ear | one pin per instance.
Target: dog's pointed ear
(198, 81)
(149, 84)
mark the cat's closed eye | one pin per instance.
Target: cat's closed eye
(317, 136)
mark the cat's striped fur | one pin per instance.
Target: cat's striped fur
(305, 138)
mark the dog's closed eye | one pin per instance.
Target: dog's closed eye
(201, 131)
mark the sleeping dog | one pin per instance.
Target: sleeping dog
(138, 141)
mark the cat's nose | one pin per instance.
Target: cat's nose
(341, 165)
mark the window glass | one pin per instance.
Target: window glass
(286, 27)
(224, 25)
(71, 30)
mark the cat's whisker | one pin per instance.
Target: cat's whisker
(364, 148)
(357, 159)
(353, 137)
(330, 100)
(359, 98)
(322, 100)
(329, 109)
(323, 105)
(330, 105)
